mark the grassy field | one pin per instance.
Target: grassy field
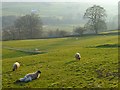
(98, 67)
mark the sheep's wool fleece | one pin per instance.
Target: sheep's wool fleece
(77, 54)
(16, 63)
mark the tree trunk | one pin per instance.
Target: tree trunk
(96, 31)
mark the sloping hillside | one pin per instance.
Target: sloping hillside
(98, 67)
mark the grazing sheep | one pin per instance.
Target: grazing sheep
(30, 77)
(77, 56)
(36, 49)
(76, 38)
(16, 65)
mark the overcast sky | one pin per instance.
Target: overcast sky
(91, 1)
(108, 4)
(100, 2)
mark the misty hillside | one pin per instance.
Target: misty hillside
(56, 13)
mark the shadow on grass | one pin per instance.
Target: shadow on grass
(23, 84)
(106, 46)
(21, 52)
(20, 83)
(25, 51)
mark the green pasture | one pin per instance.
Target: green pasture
(98, 67)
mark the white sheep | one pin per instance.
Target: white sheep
(30, 77)
(77, 56)
(36, 49)
(16, 65)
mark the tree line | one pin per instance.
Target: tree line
(30, 26)
(25, 27)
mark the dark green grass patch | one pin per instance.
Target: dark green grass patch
(15, 52)
(12, 54)
(108, 46)
(105, 46)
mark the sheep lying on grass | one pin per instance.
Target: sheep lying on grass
(36, 49)
(77, 56)
(30, 77)
(16, 65)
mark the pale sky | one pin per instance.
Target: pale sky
(92, 1)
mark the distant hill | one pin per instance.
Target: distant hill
(54, 13)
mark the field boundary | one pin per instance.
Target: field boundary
(25, 51)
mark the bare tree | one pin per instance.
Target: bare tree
(9, 33)
(79, 30)
(96, 15)
(57, 33)
(29, 26)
